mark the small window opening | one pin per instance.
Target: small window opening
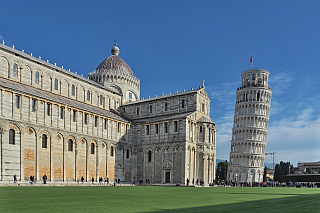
(44, 141)
(128, 153)
(74, 115)
(111, 151)
(165, 127)
(85, 118)
(95, 121)
(149, 156)
(92, 148)
(70, 145)
(56, 84)
(61, 112)
(148, 129)
(48, 109)
(17, 101)
(175, 126)
(12, 135)
(15, 70)
(33, 105)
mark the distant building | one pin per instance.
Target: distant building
(57, 123)
(304, 167)
(250, 127)
(270, 174)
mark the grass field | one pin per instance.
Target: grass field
(158, 199)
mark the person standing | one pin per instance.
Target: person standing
(44, 179)
(187, 181)
(15, 178)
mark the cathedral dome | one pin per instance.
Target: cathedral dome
(114, 64)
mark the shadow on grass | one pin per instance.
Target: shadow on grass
(294, 203)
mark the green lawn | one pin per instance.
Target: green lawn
(157, 199)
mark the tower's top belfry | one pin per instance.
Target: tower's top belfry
(255, 78)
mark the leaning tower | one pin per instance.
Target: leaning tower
(250, 127)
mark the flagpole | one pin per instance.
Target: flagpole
(252, 61)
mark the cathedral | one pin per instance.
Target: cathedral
(66, 126)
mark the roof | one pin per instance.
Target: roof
(56, 68)
(58, 99)
(162, 97)
(114, 64)
(205, 120)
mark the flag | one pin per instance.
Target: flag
(251, 59)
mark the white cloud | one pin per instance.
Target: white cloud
(281, 82)
(295, 139)
(1, 38)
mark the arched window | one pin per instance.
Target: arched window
(30, 77)
(12, 135)
(101, 100)
(15, 70)
(200, 128)
(73, 90)
(92, 148)
(56, 82)
(111, 151)
(182, 103)
(166, 106)
(37, 78)
(165, 127)
(88, 95)
(149, 156)
(175, 126)
(70, 145)
(8, 65)
(44, 141)
(128, 153)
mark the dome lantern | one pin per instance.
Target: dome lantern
(115, 50)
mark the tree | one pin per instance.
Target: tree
(277, 173)
(310, 170)
(291, 169)
(222, 170)
(282, 169)
(265, 174)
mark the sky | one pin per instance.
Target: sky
(174, 45)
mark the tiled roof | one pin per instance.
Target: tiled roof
(205, 120)
(58, 99)
(115, 64)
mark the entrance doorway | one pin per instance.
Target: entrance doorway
(167, 177)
